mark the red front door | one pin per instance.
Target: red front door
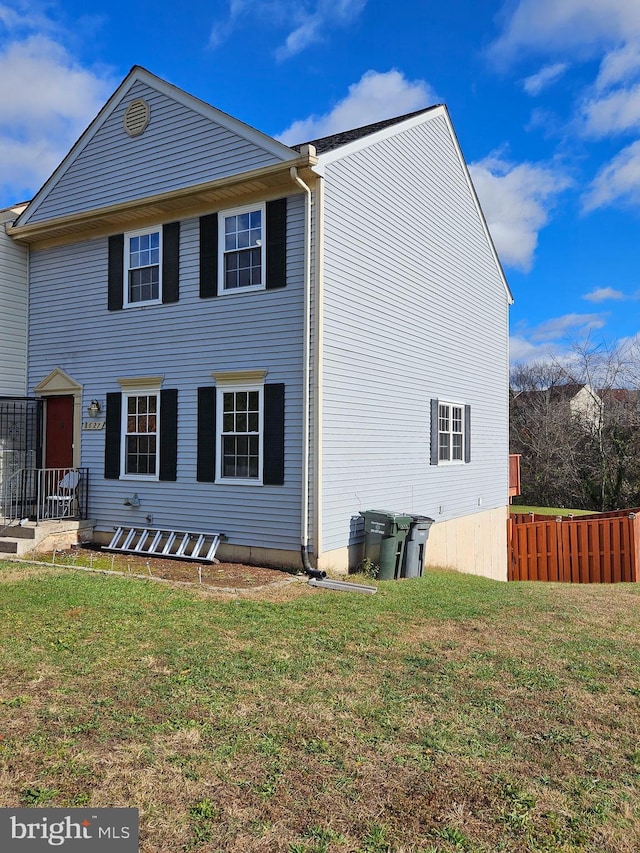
(59, 432)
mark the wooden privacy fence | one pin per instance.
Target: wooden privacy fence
(587, 549)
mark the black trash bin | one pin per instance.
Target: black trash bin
(385, 533)
(414, 548)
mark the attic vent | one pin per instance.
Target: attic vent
(136, 117)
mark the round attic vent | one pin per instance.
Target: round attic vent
(136, 117)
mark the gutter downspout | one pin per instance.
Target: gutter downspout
(306, 372)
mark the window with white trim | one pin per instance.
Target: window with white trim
(143, 267)
(241, 237)
(140, 432)
(240, 433)
(450, 432)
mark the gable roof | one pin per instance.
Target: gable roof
(140, 75)
(335, 140)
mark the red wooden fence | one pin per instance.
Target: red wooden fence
(586, 549)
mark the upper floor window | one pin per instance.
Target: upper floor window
(143, 269)
(242, 256)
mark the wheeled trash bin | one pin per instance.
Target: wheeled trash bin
(414, 548)
(385, 533)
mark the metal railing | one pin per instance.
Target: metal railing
(40, 494)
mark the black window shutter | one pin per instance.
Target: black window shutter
(113, 432)
(467, 433)
(168, 434)
(116, 272)
(206, 462)
(276, 251)
(434, 432)
(209, 255)
(170, 262)
(273, 466)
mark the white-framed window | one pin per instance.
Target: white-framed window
(140, 434)
(239, 433)
(451, 437)
(143, 267)
(241, 241)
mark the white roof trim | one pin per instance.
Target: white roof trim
(141, 75)
(476, 201)
(377, 136)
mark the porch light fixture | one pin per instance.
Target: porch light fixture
(133, 501)
(94, 408)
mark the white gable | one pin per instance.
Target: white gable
(185, 142)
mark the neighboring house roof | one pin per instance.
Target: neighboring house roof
(627, 397)
(567, 392)
(581, 399)
(328, 143)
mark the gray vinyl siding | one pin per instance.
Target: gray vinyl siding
(183, 342)
(415, 309)
(114, 167)
(13, 315)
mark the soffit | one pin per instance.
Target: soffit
(268, 181)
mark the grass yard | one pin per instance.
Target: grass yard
(550, 510)
(446, 713)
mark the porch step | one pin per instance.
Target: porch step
(21, 531)
(18, 538)
(162, 542)
(22, 539)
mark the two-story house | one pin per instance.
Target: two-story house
(236, 336)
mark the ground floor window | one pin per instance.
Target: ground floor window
(240, 433)
(140, 445)
(450, 433)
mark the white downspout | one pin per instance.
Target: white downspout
(306, 370)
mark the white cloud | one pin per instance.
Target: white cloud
(522, 350)
(619, 66)
(617, 181)
(559, 327)
(534, 84)
(308, 21)
(616, 112)
(376, 96)
(553, 339)
(328, 13)
(603, 294)
(516, 200)
(550, 25)
(50, 100)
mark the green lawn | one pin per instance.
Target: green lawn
(445, 713)
(550, 510)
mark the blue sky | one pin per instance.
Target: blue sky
(544, 96)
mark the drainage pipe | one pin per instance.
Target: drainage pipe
(306, 371)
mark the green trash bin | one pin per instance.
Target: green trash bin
(385, 533)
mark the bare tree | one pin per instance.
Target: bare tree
(576, 424)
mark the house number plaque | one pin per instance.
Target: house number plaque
(93, 424)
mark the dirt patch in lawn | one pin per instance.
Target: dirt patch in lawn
(217, 576)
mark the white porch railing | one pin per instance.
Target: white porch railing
(45, 493)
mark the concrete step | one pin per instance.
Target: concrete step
(21, 531)
(61, 533)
